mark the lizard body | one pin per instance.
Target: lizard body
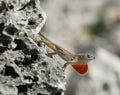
(77, 61)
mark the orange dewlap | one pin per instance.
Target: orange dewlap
(82, 69)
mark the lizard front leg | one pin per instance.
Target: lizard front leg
(65, 65)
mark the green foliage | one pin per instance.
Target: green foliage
(98, 28)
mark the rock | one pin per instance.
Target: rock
(25, 69)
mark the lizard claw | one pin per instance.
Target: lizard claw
(64, 66)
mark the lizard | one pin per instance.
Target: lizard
(78, 61)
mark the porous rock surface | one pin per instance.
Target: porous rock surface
(25, 69)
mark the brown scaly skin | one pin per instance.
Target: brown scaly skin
(64, 54)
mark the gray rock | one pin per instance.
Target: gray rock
(25, 69)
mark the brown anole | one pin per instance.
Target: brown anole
(77, 61)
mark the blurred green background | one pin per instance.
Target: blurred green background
(91, 26)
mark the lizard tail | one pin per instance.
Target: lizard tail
(43, 37)
(47, 42)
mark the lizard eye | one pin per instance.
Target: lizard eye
(88, 56)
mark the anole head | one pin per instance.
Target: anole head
(79, 63)
(84, 57)
(88, 57)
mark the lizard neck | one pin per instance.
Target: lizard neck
(65, 56)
